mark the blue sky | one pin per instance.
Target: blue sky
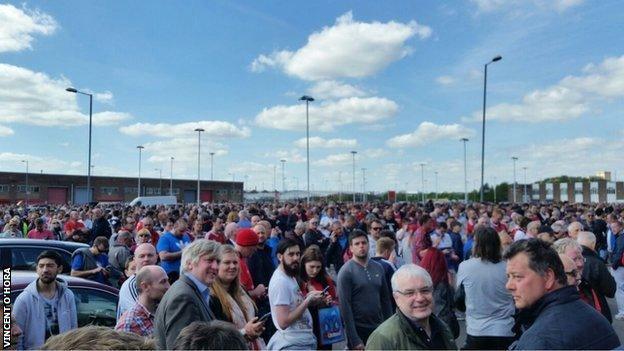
(398, 82)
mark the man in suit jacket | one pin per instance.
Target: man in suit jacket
(187, 299)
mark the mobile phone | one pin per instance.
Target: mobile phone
(325, 290)
(265, 317)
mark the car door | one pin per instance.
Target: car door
(95, 306)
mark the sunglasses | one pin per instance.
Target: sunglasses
(571, 273)
(376, 228)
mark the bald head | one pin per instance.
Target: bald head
(145, 254)
(152, 282)
(587, 239)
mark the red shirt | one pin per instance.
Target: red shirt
(72, 225)
(245, 276)
(216, 236)
(44, 234)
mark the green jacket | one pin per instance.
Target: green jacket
(397, 333)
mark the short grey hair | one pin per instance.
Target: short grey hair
(411, 271)
(562, 245)
(587, 239)
(198, 248)
(301, 226)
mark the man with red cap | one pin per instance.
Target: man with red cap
(246, 245)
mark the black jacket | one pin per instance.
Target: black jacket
(561, 320)
(101, 227)
(616, 258)
(597, 276)
(315, 237)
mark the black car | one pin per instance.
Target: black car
(21, 254)
(96, 304)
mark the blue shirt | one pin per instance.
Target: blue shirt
(102, 260)
(170, 243)
(204, 290)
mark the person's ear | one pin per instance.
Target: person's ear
(551, 280)
(59, 269)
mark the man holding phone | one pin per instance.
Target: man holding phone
(91, 263)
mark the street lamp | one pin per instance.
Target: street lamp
(353, 153)
(140, 147)
(171, 178)
(75, 91)
(524, 197)
(159, 180)
(363, 184)
(436, 184)
(514, 174)
(422, 175)
(199, 131)
(465, 140)
(283, 177)
(211, 165)
(307, 99)
(27, 187)
(495, 59)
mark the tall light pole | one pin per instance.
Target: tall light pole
(436, 184)
(524, 197)
(422, 176)
(339, 186)
(283, 161)
(171, 178)
(353, 153)
(27, 187)
(199, 131)
(75, 91)
(514, 174)
(159, 180)
(465, 140)
(274, 178)
(212, 165)
(495, 186)
(140, 147)
(496, 58)
(363, 184)
(307, 100)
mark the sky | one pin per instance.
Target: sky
(398, 82)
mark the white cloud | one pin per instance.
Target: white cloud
(375, 153)
(428, 132)
(13, 162)
(486, 6)
(33, 98)
(6, 131)
(331, 89)
(445, 80)
(570, 98)
(335, 160)
(105, 97)
(291, 156)
(19, 26)
(213, 129)
(346, 49)
(64, 144)
(328, 115)
(318, 142)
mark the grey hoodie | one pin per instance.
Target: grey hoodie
(29, 313)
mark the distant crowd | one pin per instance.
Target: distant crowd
(369, 275)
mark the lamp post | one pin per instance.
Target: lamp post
(27, 187)
(274, 178)
(199, 131)
(422, 175)
(436, 184)
(495, 59)
(171, 178)
(524, 196)
(159, 180)
(495, 186)
(75, 91)
(339, 186)
(465, 140)
(307, 100)
(140, 147)
(514, 174)
(212, 165)
(353, 153)
(363, 184)
(283, 161)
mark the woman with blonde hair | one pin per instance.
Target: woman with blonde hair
(231, 303)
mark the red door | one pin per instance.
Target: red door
(206, 196)
(57, 195)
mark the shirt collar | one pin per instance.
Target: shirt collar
(203, 288)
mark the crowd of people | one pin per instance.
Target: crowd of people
(312, 276)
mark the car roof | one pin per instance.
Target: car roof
(68, 245)
(20, 279)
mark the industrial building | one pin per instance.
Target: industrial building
(586, 191)
(61, 189)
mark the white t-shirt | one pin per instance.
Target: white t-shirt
(128, 296)
(284, 291)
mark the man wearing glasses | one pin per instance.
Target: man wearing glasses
(413, 326)
(373, 235)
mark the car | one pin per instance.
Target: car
(21, 254)
(96, 303)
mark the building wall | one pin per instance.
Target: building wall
(113, 189)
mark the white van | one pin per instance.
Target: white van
(154, 200)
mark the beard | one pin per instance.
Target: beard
(47, 279)
(292, 269)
